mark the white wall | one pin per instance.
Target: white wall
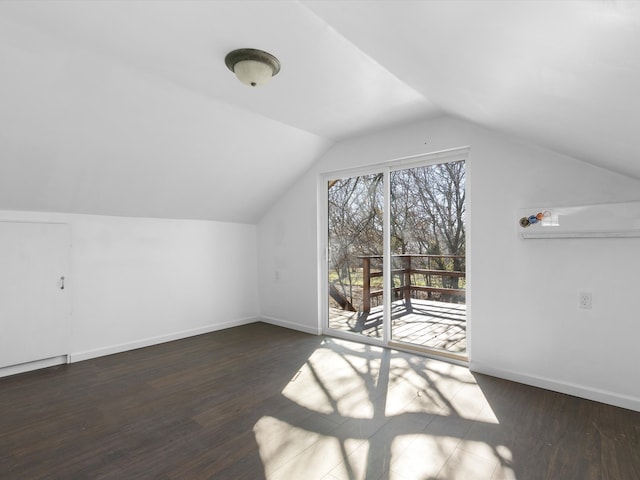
(525, 324)
(140, 281)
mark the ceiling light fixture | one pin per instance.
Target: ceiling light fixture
(252, 67)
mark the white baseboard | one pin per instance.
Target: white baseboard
(581, 391)
(35, 365)
(291, 325)
(146, 342)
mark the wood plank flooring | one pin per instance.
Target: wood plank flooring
(262, 402)
(428, 323)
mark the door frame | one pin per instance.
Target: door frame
(385, 167)
(41, 335)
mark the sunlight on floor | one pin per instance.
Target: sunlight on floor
(363, 412)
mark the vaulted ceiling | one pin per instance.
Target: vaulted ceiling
(127, 108)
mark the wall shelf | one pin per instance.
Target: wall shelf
(605, 220)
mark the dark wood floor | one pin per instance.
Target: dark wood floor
(259, 402)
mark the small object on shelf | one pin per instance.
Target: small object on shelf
(533, 219)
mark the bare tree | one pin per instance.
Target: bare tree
(355, 226)
(443, 202)
(427, 217)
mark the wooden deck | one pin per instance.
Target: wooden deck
(437, 325)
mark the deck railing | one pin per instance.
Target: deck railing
(446, 287)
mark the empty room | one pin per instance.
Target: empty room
(331, 240)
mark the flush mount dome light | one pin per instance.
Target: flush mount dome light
(252, 67)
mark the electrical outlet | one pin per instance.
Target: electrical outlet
(584, 300)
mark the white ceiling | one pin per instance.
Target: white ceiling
(127, 108)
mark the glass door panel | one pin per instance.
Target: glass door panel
(355, 255)
(427, 213)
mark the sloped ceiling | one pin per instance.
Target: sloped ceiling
(127, 108)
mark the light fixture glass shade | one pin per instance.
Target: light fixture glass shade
(252, 67)
(253, 73)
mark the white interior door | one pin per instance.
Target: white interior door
(34, 300)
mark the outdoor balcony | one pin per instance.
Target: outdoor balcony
(428, 302)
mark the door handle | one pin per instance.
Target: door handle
(61, 283)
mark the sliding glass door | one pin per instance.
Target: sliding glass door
(396, 257)
(355, 252)
(428, 256)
